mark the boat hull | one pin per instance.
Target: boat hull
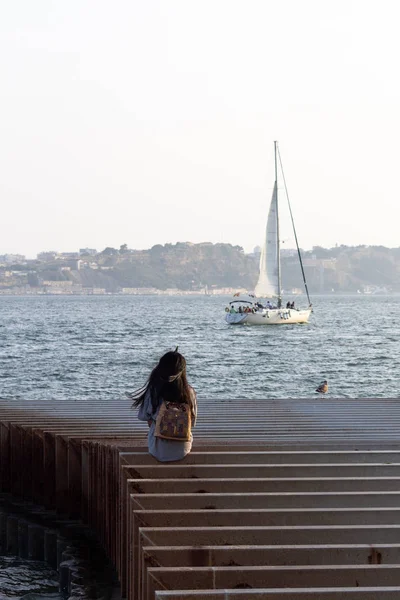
(278, 316)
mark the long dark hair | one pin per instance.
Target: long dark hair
(167, 381)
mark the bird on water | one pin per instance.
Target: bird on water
(323, 387)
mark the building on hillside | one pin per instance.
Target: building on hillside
(94, 291)
(87, 251)
(5, 274)
(311, 261)
(288, 252)
(139, 291)
(256, 252)
(12, 259)
(47, 256)
(57, 284)
(71, 265)
(62, 287)
(318, 268)
(69, 255)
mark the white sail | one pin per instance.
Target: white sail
(268, 285)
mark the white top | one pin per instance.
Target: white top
(165, 450)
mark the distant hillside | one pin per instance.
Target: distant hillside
(188, 266)
(347, 269)
(184, 266)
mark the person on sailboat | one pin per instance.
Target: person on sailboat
(288, 305)
(167, 389)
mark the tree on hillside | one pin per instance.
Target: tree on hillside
(320, 252)
(109, 251)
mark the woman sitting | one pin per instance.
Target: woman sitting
(167, 386)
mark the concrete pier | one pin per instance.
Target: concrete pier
(282, 499)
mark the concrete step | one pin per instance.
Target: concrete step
(360, 593)
(246, 555)
(271, 517)
(269, 577)
(262, 485)
(255, 500)
(182, 471)
(236, 534)
(234, 455)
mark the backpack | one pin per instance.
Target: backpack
(174, 421)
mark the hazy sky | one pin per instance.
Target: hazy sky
(145, 122)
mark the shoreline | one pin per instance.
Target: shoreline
(176, 292)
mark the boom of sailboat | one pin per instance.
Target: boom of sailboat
(265, 306)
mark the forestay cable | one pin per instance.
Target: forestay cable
(294, 229)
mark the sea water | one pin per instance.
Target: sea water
(55, 347)
(28, 579)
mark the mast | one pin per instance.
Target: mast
(277, 228)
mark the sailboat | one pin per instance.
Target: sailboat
(255, 309)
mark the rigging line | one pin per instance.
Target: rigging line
(294, 229)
